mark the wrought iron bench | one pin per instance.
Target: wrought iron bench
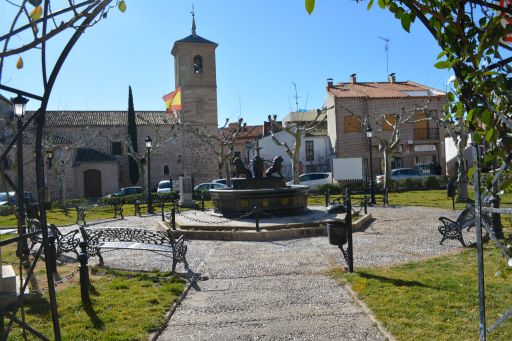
(113, 238)
(137, 239)
(453, 229)
(81, 211)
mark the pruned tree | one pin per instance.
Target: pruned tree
(459, 134)
(221, 142)
(297, 130)
(395, 122)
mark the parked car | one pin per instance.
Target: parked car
(3, 198)
(164, 186)
(313, 180)
(220, 181)
(29, 198)
(402, 174)
(205, 187)
(126, 191)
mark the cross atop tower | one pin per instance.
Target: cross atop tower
(193, 21)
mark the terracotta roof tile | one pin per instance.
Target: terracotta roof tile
(383, 90)
(104, 118)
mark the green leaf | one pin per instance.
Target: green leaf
(443, 64)
(370, 4)
(469, 118)
(382, 4)
(121, 6)
(36, 13)
(310, 6)
(406, 21)
(486, 117)
(489, 134)
(443, 53)
(471, 171)
(451, 97)
(19, 63)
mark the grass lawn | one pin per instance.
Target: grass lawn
(125, 305)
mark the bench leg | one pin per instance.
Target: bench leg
(100, 257)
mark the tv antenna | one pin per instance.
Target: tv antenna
(386, 48)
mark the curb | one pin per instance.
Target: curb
(252, 235)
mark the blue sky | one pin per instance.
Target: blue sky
(264, 46)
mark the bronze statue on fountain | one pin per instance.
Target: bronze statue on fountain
(259, 189)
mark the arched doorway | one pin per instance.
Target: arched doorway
(92, 183)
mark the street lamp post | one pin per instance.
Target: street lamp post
(149, 141)
(19, 103)
(369, 135)
(49, 156)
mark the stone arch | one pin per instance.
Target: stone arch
(166, 170)
(198, 64)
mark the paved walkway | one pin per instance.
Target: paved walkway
(279, 290)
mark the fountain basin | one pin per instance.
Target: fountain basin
(233, 203)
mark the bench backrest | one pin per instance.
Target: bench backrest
(130, 235)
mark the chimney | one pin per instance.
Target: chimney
(329, 83)
(391, 78)
(353, 79)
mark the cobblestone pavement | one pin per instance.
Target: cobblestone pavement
(279, 290)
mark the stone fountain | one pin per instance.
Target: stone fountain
(258, 191)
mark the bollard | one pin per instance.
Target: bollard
(162, 204)
(202, 202)
(348, 224)
(84, 274)
(52, 254)
(257, 217)
(327, 198)
(173, 217)
(365, 199)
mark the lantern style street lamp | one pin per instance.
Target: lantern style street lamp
(149, 144)
(369, 135)
(19, 102)
(49, 156)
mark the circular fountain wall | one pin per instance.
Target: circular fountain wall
(270, 195)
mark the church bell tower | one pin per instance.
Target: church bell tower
(195, 73)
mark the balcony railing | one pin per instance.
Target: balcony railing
(426, 133)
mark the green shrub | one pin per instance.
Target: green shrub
(412, 184)
(7, 209)
(432, 182)
(167, 197)
(131, 199)
(332, 188)
(110, 201)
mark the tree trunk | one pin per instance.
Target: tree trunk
(462, 182)
(387, 166)
(295, 157)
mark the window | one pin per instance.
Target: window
(198, 64)
(352, 124)
(388, 122)
(310, 151)
(117, 148)
(166, 170)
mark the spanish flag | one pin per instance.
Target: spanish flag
(173, 100)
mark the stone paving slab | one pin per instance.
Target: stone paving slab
(278, 290)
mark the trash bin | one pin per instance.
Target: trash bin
(337, 232)
(32, 210)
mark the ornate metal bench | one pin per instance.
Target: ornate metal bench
(137, 239)
(82, 210)
(114, 238)
(453, 229)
